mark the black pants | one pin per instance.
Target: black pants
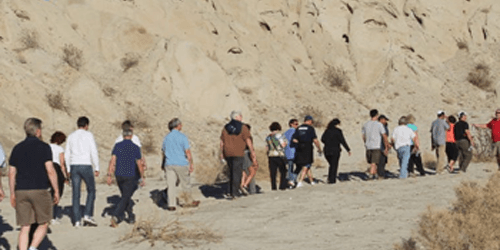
(60, 185)
(127, 186)
(333, 161)
(381, 165)
(415, 159)
(235, 165)
(275, 164)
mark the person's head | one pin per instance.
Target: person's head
(452, 119)
(462, 116)
(410, 119)
(33, 127)
(275, 126)
(293, 123)
(127, 125)
(440, 114)
(175, 124)
(383, 119)
(236, 115)
(58, 138)
(308, 120)
(82, 122)
(373, 113)
(402, 120)
(333, 123)
(497, 114)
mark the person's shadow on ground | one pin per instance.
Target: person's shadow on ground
(159, 198)
(362, 176)
(46, 242)
(113, 201)
(68, 211)
(4, 227)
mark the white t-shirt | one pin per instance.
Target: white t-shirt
(56, 151)
(135, 140)
(403, 136)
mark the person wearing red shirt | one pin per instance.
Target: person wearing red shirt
(494, 125)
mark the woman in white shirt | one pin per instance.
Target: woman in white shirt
(56, 140)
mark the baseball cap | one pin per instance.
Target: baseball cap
(461, 113)
(383, 117)
(308, 118)
(440, 112)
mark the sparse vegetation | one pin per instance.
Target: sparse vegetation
(483, 150)
(148, 145)
(129, 61)
(406, 244)
(108, 91)
(480, 76)
(56, 101)
(336, 77)
(462, 44)
(29, 40)
(471, 223)
(72, 56)
(317, 114)
(173, 232)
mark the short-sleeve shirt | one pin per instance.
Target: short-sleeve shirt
(2, 157)
(494, 125)
(56, 152)
(438, 131)
(274, 145)
(174, 147)
(460, 128)
(403, 136)
(373, 131)
(289, 150)
(413, 127)
(234, 145)
(127, 153)
(29, 158)
(450, 134)
(305, 135)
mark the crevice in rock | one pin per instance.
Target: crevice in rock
(378, 23)
(419, 19)
(265, 26)
(351, 10)
(485, 33)
(346, 38)
(408, 48)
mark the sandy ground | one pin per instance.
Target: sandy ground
(352, 214)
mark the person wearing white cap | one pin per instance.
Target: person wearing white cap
(438, 138)
(464, 141)
(494, 125)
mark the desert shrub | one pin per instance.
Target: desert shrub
(29, 39)
(406, 244)
(210, 170)
(108, 91)
(336, 77)
(177, 234)
(480, 76)
(56, 101)
(72, 56)
(148, 145)
(483, 149)
(129, 61)
(138, 117)
(462, 44)
(317, 114)
(473, 222)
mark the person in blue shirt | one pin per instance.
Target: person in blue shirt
(178, 165)
(290, 152)
(125, 161)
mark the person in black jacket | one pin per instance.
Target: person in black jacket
(332, 138)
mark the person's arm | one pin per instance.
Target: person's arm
(94, 155)
(480, 125)
(252, 151)
(190, 160)
(63, 167)
(416, 141)
(67, 154)
(142, 168)
(469, 136)
(12, 185)
(51, 172)
(111, 169)
(2, 194)
(386, 143)
(318, 146)
(344, 143)
(221, 149)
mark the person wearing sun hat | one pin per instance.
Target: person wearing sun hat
(494, 125)
(438, 138)
(464, 141)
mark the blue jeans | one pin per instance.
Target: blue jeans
(85, 172)
(403, 157)
(291, 176)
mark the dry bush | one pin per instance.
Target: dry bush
(177, 234)
(208, 171)
(72, 56)
(56, 101)
(483, 149)
(409, 244)
(29, 40)
(317, 114)
(473, 222)
(108, 91)
(263, 170)
(148, 145)
(480, 76)
(138, 118)
(462, 44)
(129, 61)
(336, 77)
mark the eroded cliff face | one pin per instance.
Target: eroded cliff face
(153, 60)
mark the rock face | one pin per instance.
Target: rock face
(150, 61)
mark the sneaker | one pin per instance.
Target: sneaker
(291, 184)
(299, 184)
(89, 221)
(54, 222)
(313, 183)
(78, 224)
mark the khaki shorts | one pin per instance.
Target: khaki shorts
(373, 156)
(496, 148)
(33, 206)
